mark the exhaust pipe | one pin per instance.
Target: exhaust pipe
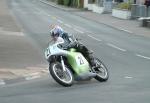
(85, 76)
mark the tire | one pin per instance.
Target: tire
(59, 76)
(102, 71)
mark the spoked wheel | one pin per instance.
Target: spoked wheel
(64, 78)
(101, 71)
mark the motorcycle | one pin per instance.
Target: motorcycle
(67, 65)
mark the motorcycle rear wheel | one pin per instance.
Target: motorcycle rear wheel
(101, 71)
(64, 78)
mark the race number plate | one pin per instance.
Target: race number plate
(80, 60)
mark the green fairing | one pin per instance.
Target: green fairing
(78, 68)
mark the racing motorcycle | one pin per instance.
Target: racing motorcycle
(67, 65)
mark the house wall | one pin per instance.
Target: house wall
(140, 2)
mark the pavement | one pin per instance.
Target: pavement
(19, 59)
(129, 26)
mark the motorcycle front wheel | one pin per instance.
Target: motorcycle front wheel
(101, 71)
(64, 78)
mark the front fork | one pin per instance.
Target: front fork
(62, 63)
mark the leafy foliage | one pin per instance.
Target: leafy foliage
(60, 2)
(124, 5)
(66, 2)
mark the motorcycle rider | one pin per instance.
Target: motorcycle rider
(58, 35)
(60, 32)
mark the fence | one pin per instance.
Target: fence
(107, 4)
(99, 3)
(139, 11)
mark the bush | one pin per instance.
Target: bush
(60, 2)
(124, 5)
(66, 2)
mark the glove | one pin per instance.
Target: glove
(72, 44)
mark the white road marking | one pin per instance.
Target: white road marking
(38, 9)
(37, 12)
(128, 77)
(2, 82)
(15, 4)
(94, 38)
(32, 74)
(68, 25)
(78, 27)
(49, 15)
(44, 13)
(45, 71)
(127, 31)
(32, 77)
(145, 57)
(89, 32)
(111, 45)
(60, 21)
(41, 11)
(78, 30)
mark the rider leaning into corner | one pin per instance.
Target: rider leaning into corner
(58, 35)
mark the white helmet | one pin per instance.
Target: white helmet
(56, 31)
